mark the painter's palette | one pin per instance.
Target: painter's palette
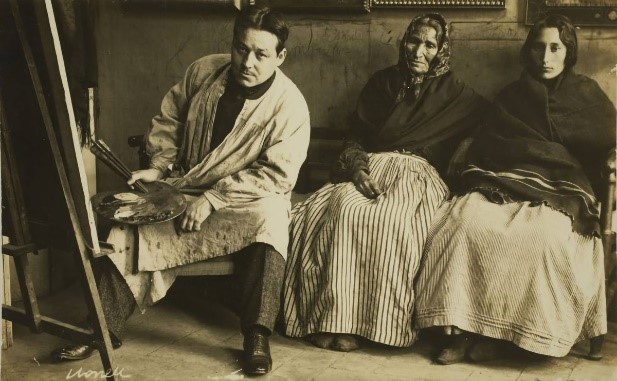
(162, 202)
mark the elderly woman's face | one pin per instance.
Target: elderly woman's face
(421, 48)
(548, 53)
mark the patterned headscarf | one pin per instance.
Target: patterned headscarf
(440, 64)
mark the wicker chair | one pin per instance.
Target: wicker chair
(610, 252)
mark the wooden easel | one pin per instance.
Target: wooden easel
(69, 165)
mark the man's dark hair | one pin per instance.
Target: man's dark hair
(262, 18)
(567, 35)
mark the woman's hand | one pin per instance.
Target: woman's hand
(195, 214)
(146, 175)
(366, 185)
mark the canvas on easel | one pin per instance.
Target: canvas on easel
(49, 83)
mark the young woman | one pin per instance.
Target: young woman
(518, 257)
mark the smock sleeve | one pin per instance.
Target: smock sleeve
(276, 169)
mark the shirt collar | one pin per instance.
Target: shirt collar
(235, 89)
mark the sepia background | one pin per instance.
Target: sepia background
(143, 51)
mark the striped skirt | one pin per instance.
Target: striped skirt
(513, 272)
(352, 260)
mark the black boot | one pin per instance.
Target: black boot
(73, 352)
(257, 359)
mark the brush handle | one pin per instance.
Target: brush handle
(104, 153)
(138, 184)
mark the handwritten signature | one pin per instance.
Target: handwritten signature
(81, 373)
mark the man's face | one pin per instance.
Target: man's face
(254, 57)
(421, 49)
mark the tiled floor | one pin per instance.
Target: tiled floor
(176, 341)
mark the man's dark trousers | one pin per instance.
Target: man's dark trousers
(257, 271)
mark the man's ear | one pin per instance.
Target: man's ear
(280, 58)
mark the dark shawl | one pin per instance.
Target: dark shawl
(397, 110)
(544, 145)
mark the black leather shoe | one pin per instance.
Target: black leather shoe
(73, 352)
(257, 360)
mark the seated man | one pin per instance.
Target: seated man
(234, 134)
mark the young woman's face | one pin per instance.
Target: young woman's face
(548, 53)
(421, 48)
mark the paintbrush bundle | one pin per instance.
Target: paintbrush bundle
(107, 157)
(149, 204)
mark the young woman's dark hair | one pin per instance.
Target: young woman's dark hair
(567, 35)
(262, 18)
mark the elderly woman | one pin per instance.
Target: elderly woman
(356, 245)
(517, 257)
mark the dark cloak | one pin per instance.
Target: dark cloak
(546, 145)
(426, 115)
